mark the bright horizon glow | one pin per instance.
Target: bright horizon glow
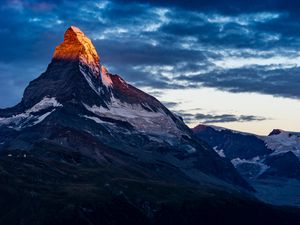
(281, 113)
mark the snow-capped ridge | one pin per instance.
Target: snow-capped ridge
(45, 103)
(284, 141)
(29, 117)
(149, 121)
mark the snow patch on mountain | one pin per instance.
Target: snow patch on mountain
(143, 120)
(219, 151)
(28, 118)
(284, 142)
(88, 77)
(217, 128)
(45, 103)
(41, 118)
(256, 160)
(97, 120)
(189, 148)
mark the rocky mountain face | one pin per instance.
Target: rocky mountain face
(282, 165)
(258, 159)
(232, 144)
(85, 147)
(76, 96)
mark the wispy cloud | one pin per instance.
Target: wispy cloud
(196, 118)
(225, 118)
(262, 79)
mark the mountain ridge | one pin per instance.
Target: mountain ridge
(268, 162)
(71, 94)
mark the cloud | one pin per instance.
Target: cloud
(161, 44)
(225, 118)
(13, 80)
(261, 79)
(226, 7)
(209, 118)
(171, 105)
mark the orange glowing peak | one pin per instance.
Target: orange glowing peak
(77, 46)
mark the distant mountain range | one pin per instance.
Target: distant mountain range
(85, 147)
(259, 159)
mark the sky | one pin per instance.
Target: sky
(233, 64)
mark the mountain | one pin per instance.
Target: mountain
(283, 141)
(232, 144)
(262, 160)
(283, 165)
(77, 94)
(85, 147)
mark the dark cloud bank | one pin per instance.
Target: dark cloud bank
(159, 44)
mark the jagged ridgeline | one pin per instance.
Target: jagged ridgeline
(77, 94)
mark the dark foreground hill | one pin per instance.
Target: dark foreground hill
(76, 190)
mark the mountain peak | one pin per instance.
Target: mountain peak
(77, 46)
(275, 132)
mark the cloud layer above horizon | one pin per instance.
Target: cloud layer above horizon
(233, 46)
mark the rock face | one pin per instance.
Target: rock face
(285, 165)
(77, 47)
(233, 144)
(275, 132)
(246, 151)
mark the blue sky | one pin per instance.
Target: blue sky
(234, 50)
